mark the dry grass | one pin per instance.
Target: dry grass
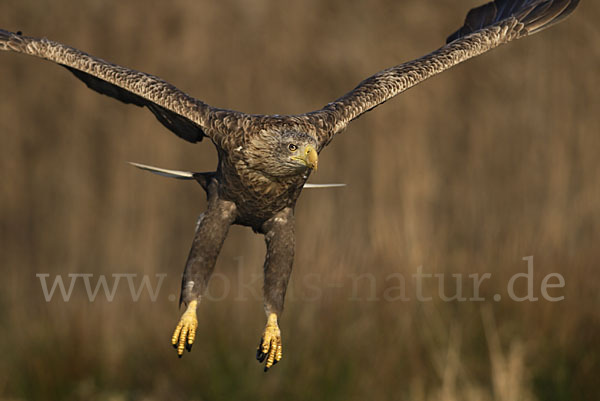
(468, 173)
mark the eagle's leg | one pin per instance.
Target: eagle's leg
(279, 236)
(211, 231)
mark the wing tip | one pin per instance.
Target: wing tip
(8, 37)
(534, 15)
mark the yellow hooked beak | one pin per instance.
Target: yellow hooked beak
(310, 157)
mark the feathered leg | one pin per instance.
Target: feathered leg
(279, 236)
(210, 234)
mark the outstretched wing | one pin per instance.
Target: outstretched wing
(485, 28)
(187, 117)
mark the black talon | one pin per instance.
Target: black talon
(260, 356)
(188, 346)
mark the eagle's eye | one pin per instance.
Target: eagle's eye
(292, 147)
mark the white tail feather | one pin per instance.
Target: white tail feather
(182, 175)
(323, 185)
(188, 175)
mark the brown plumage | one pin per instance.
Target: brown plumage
(265, 160)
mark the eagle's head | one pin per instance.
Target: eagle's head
(285, 153)
(298, 151)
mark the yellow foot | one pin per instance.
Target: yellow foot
(185, 332)
(270, 343)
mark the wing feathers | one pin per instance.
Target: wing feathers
(535, 15)
(187, 117)
(485, 28)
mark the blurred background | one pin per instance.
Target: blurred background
(468, 173)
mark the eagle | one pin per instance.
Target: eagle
(264, 161)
